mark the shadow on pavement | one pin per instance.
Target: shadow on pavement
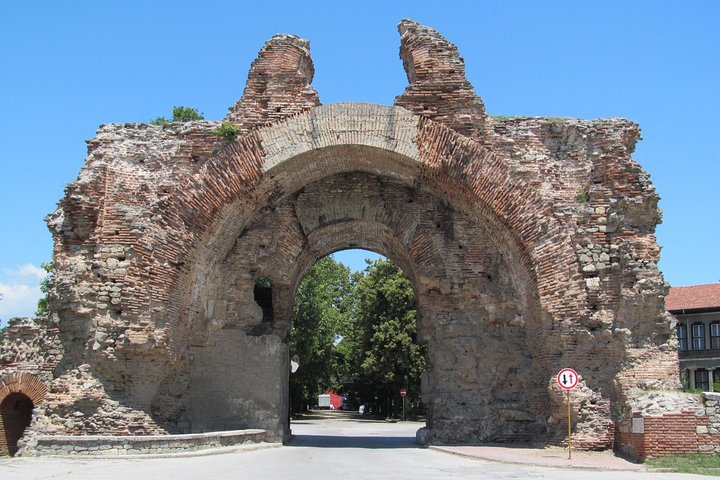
(334, 441)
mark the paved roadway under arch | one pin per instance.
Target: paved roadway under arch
(325, 446)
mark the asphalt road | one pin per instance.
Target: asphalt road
(337, 448)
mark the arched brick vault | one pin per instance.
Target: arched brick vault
(210, 214)
(275, 162)
(454, 262)
(25, 383)
(528, 238)
(11, 427)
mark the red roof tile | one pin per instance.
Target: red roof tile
(694, 297)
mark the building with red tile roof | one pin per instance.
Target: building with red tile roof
(697, 309)
(693, 298)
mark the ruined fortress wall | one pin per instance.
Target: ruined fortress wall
(529, 241)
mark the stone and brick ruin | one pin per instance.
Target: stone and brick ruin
(529, 242)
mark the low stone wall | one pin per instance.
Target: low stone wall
(644, 436)
(100, 445)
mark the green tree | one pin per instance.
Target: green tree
(180, 114)
(186, 114)
(357, 334)
(384, 353)
(319, 318)
(42, 304)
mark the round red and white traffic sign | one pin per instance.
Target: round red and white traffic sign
(567, 378)
(403, 392)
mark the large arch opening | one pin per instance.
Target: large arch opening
(15, 416)
(354, 336)
(477, 308)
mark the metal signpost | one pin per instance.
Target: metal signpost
(567, 378)
(403, 394)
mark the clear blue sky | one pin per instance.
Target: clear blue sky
(67, 67)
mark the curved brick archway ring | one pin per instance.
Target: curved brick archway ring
(24, 383)
(443, 249)
(253, 177)
(278, 160)
(14, 421)
(333, 238)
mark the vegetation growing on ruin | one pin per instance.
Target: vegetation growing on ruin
(228, 131)
(620, 410)
(583, 195)
(180, 114)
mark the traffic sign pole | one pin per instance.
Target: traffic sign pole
(567, 378)
(569, 429)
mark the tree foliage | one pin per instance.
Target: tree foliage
(180, 114)
(319, 317)
(186, 114)
(385, 354)
(42, 304)
(357, 334)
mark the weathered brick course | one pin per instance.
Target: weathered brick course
(529, 242)
(691, 426)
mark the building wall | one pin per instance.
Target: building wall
(694, 359)
(644, 436)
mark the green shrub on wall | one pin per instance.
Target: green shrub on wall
(180, 114)
(228, 131)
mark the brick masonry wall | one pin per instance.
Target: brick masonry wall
(630, 444)
(531, 235)
(29, 353)
(278, 85)
(644, 436)
(31, 346)
(437, 87)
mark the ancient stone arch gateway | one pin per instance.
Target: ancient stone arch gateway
(529, 242)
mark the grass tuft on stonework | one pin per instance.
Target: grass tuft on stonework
(698, 463)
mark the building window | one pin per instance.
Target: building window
(702, 380)
(682, 337)
(698, 336)
(715, 336)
